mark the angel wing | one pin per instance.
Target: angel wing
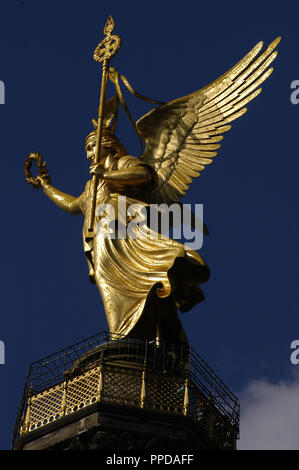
(183, 135)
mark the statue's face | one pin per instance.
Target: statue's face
(91, 148)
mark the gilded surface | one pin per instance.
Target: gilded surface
(144, 279)
(130, 386)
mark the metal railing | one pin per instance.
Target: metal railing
(112, 369)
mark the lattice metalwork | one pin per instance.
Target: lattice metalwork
(165, 393)
(82, 390)
(218, 425)
(122, 386)
(43, 408)
(110, 369)
(197, 402)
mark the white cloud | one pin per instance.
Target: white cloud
(270, 416)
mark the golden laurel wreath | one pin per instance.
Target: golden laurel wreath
(42, 170)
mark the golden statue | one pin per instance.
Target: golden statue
(145, 277)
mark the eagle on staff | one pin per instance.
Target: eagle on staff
(145, 277)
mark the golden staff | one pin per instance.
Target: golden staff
(103, 53)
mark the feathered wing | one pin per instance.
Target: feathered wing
(183, 136)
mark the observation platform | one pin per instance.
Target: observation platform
(125, 393)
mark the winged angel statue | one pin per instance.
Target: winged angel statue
(145, 280)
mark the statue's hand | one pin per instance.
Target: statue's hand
(42, 181)
(96, 169)
(42, 177)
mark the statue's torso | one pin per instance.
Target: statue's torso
(112, 199)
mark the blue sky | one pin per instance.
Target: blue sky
(250, 194)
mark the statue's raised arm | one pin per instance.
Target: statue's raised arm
(64, 201)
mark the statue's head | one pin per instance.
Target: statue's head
(110, 145)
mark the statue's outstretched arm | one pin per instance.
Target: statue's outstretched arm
(65, 201)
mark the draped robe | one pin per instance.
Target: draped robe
(143, 278)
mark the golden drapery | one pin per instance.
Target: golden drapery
(138, 275)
